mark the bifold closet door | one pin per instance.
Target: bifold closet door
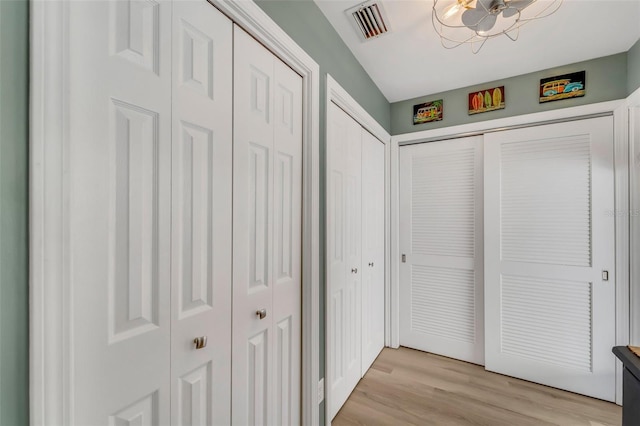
(152, 169)
(373, 225)
(201, 215)
(119, 177)
(441, 231)
(355, 253)
(267, 212)
(549, 248)
(344, 243)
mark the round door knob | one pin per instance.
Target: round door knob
(371, 264)
(261, 313)
(354, 270)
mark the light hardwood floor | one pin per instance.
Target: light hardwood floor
(409, 387)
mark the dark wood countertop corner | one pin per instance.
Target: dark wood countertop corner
(630, 360)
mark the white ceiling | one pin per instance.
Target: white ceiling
(410, 61)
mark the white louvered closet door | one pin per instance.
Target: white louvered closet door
(441, 292)
(550, 316)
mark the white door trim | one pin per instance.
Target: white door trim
(618, 109)
(51, 365)
(339, 96)
(633, 131)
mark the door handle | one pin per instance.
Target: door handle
(200, 342)
(371, 264)
(354, 270)
(261, 313)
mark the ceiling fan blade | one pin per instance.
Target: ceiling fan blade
(515, 6)
(486, 23)
(472, 17)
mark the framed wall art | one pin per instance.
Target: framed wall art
(428, 112)
(486, 100)
(565, 86)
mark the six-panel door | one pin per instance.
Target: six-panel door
(344, 248)
(201, 215)
(373, 241)
(151, 195)
(120, 212)
(267, 204)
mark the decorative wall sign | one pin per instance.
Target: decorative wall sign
(427, 112)
(486, 100)
(563, 86)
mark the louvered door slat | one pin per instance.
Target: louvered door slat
(528, 170)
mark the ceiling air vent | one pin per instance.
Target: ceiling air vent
(370, 19)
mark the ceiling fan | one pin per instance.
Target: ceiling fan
(484, 19)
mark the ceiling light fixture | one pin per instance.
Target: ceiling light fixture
(476, 21)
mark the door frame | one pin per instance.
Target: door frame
(633, 107)
(339, 96)
(50, 216)
(618, 109)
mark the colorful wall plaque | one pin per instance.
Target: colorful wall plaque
(486, 100)
(427, 112)
(563, 87)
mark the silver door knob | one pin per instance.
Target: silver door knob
(354, 270)
(371, 264)
(261, 313)
(200, 342)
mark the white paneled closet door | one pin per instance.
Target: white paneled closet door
(201, 215)
(120, 211)
(550, 313)
(267, 204)
(441, 231)
(154, 172)
(373, 224)
(634, 201)
(344, 225)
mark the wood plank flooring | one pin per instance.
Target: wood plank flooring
(409, 387)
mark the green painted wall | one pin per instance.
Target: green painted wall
(303, 21)
(14, 303)
(606, 80)
(633, 68)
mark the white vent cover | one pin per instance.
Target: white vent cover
(370, 19)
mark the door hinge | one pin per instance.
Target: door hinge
(320, 391)
(605, 275)
(404, 258)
